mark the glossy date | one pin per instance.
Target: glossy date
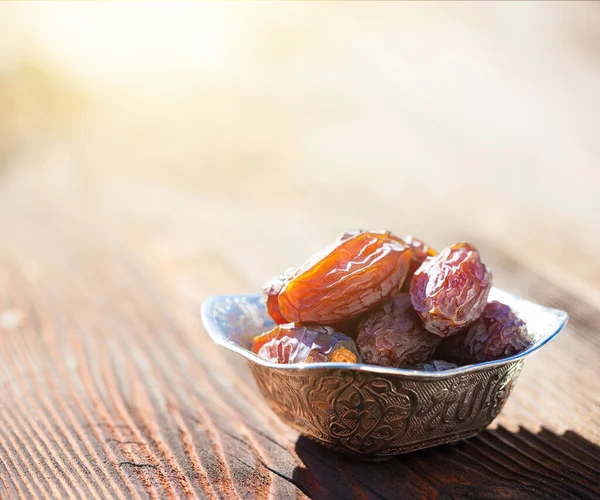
(498, 333)
(393, 335)
(450, 290)
(347, 279)
(420, 251)
(388, 301)
(271, 294)
(305, 344)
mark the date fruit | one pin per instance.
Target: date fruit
(345, 280)
(498, 333)
(305, 344)
(271, 294)
(393, 335)
(450, 290)
(419, 252)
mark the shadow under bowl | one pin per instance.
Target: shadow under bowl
(373, 412)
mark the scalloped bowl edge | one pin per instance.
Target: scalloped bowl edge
(543, 322)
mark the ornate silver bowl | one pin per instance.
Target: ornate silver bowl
(376, 412)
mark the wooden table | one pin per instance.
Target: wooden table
(111, 388)
(122, 209)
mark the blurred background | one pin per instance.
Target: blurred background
(222, 142)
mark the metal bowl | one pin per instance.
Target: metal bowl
(375, 412)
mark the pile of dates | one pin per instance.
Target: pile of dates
(374, 298)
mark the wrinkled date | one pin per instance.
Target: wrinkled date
(403, 303)
(305, 344)
(498, 333)
(419, 252)
(393, 335)
(345, 280)
(450, 290)
(271, 293)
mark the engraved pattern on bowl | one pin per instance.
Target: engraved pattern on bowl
(376, 412)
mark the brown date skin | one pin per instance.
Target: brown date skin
(263, 338)
(271, 294)
(393, 335)
(498, 333)
(345, 280)
(450, 290)
(293, 343)
(420, 251)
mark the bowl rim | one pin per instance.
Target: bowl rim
(213, 331)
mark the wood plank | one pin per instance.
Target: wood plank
(111, 390)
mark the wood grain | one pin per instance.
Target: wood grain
(110, 388)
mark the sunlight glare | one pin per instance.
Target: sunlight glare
(126, 42)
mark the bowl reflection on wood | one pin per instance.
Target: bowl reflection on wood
(376, 412)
